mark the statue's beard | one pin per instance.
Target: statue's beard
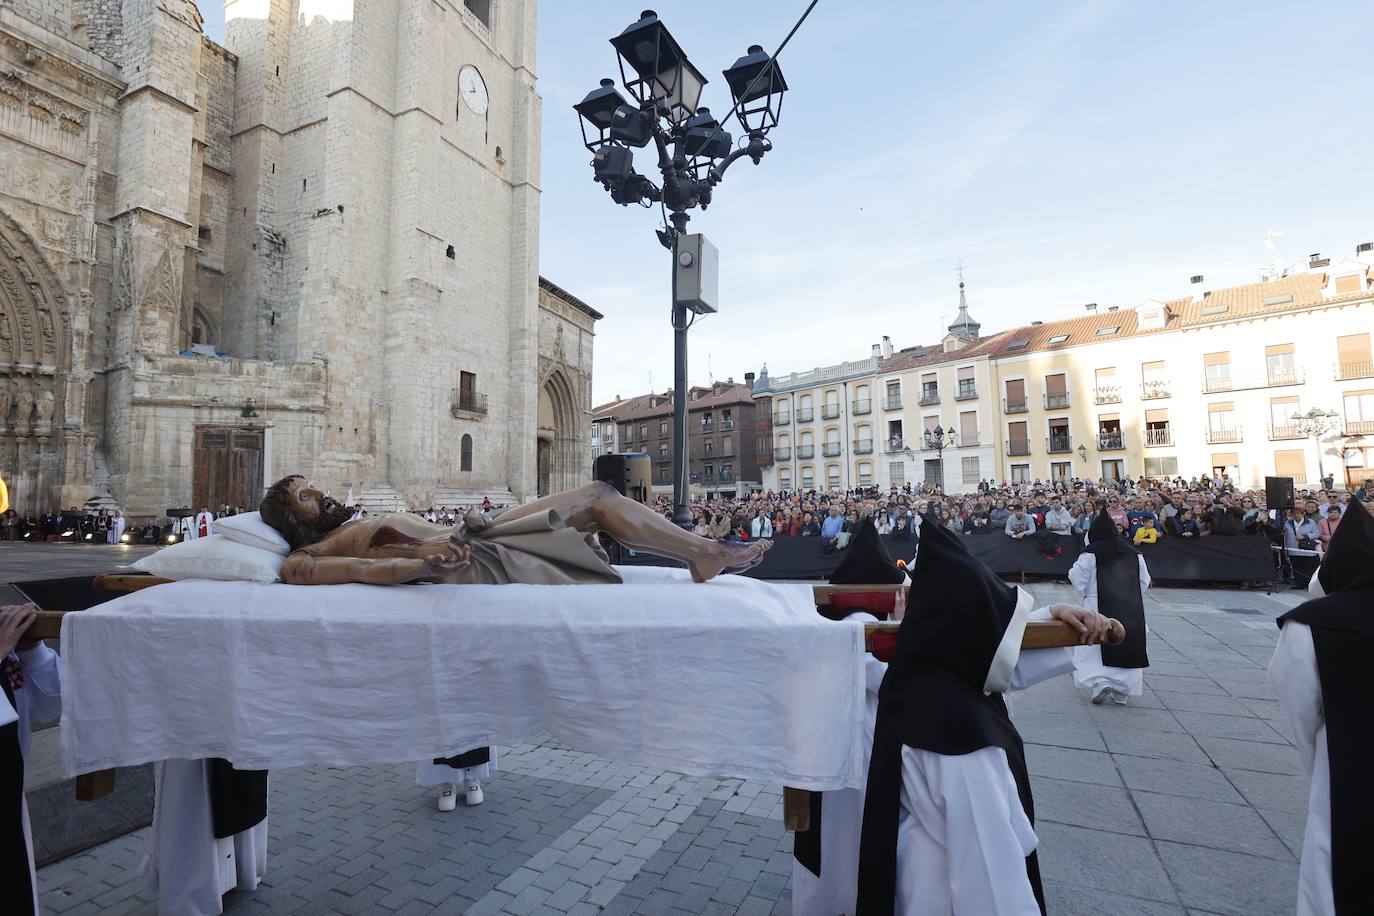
(332, 515)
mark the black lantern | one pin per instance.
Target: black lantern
(598, 110)
(663, 72)
(757, 86)
(704, 137)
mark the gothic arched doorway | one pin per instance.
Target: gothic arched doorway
(556, 448)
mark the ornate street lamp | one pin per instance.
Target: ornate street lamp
(694, 150)
(939, 440)
(1314, 424)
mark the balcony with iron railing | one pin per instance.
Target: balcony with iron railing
(893, 445)
(1056, 401)
(1229, 382)
(782, 419)
(727, 424)
(1356, 369)
(862, 406)
(863, 446)
(707, 426)
(1159, 435)
(1359, 427)
(831, 449)
(1277, 432)
(805, 414)
(865, 480)
(966, 392)
(468, 402)
(1154, 389)
(806, 451)
(1018, 447)
(930, 396)
(1107, 394)
(830, 411)
(1222, 436)
(1110, 442)
(892, 403)
(1059, 445)
(782, 453)
(1014, 406)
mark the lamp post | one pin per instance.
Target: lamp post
(693, 151)
(939, 440)
(1314, 424)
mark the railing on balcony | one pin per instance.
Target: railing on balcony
(1222, 436)
(806, 451)
(1018, 447)
(1163, 435)
(465, 401)
(894, 444)
(782, 453)
(1107, 394)
(1154, 389)
(831, 449)
(1056, 401)
(1353, 370)
(967, 392)
(830, 411)
(865, 480)
(1110, 442)
(1358, 427)
(862, 406)
(726, 424)
(782, 419)
(1010, 406)
(892, 403)
(1229, 382)
(1059, 445)
(707, 426)
(1284, 432)
(805, 414)
(930, 396)
(863, 446)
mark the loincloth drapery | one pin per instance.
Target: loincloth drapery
(535, 549)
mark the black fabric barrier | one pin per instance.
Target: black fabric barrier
(1213, 559)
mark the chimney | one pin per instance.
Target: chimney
(1036, 324)
(1091, 307)
(1198, 292)
(877, 351)
(1363, 248)
(887, 346)
(749, 379)
(1316, 260)
(1112, 308)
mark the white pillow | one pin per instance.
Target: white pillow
(250, 529)
(213, 557)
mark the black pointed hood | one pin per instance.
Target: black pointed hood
(1349, 561)
(866, 560)
(1102, 528)
(957, 609)
(1105, 540)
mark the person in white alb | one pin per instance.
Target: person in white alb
(1111, 577)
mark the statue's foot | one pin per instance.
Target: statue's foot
(729, 557)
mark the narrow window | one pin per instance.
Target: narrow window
(465, 454)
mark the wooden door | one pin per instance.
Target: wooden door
(227, 467)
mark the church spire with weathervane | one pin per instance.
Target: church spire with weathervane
(964, 330)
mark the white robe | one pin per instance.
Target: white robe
(208, 520)
(188, 868)
(38, 702)
(1088, 668)
(117, 528)
(835, 890)
(1293, 672)
(962, 836)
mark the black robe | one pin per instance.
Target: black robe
(16, 887)
(1342, 626)
(1118, 592)
(933, 698)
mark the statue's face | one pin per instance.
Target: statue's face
(315, 508)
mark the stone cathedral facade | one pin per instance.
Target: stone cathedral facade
(314, 250)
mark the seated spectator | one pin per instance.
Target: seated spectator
(1058, 520)
(1299, 531)
(150, 533)
(997, 518)
(1146, 533)
(1327, 526)
(1118, 514)
(809, 527)
(1182, 524)
(1019, 524)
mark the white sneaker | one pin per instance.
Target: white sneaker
(1119, 698)
(473, 796)
(1100, 694)
(448, 798)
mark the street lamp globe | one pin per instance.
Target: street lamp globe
(662, 71)
(757, 85)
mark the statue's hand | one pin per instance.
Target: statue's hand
(453, 558)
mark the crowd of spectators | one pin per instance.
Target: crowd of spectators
(108, 526)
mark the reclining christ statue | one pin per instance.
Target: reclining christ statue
(550, 541)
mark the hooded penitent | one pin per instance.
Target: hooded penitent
(1118, 591)
(956, 650)
(1342, 623)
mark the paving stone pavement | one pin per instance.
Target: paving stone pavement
(1188, 801)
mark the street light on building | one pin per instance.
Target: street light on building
(693, 151)
(1314, 424)
(939, 440)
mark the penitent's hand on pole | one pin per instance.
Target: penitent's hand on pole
(1092, 628)
(15, 619)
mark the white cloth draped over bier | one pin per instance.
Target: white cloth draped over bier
(733, 677)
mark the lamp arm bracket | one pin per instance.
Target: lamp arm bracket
(758, 145)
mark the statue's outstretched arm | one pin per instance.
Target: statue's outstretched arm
(303, 569)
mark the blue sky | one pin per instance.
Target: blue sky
(1068, 152)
